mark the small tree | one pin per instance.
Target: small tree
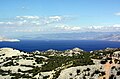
(78, 71)
(19, 70)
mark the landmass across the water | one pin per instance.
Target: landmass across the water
(53, 64)
(105, 36)
(3, 39)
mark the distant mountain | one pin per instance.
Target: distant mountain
(113, 37)
(108, 36)
(67, 36)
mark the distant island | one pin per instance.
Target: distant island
(53, 64)
(3, 39)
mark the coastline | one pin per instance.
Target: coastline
(9, 40)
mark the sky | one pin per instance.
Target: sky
(20, 18)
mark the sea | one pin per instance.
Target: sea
(43, 45)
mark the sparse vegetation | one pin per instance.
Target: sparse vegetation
(103, 61)
(57, 61)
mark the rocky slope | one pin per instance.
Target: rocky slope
(52, 64)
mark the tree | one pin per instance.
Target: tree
(19, 70)
(78, 71)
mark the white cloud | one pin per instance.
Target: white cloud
(32, 21)
(21, 22)
(28, 30)
(118, 14)
(7, 23)
(30, 24)
(108, 28)
(24, 30)
(68, 28)
(96, 27)
(15, 23)
(57, 18)
(2, 22)
(116, 25)
(27, 17)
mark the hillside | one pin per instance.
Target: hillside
(53, 64)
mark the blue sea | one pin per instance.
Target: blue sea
(32, 45)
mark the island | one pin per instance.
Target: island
(53, 64)
(3, 39)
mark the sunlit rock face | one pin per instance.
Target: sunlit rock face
(116, 54)
(77, 50)
(9, 52)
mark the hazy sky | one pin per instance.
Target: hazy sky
(32, 17)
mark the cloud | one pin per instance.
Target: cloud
(56, 18)
(7, 23)
(93, 28)
(108, 28)
(68, 28)
(56, 23)
(28, 30)
(29, 24)
(118, 14)
(116, 25)
(33, 21)
(27, 17)
(96, 27)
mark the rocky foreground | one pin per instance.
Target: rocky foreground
(53, 64)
